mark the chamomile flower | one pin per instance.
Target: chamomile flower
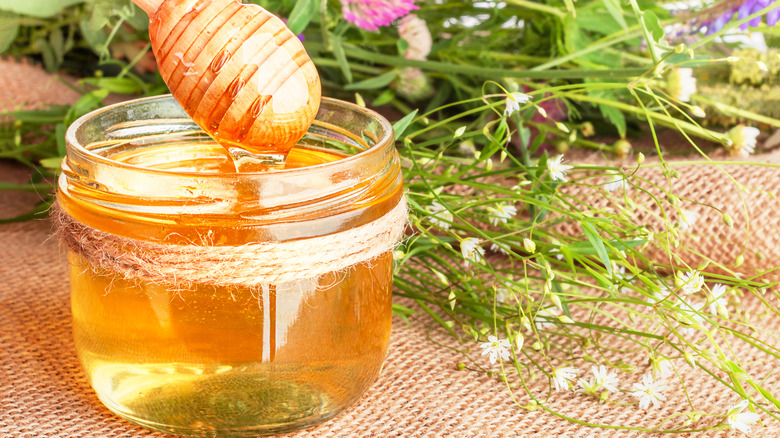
(563, 376)
(513, 102)
(741, 420)
(496, 349)
(681, 84)
(471, 250)
(649, 391)
(440, 216)
(690, 282)
(558, 169)
(501, 213)
(604, 378)
(743, 140)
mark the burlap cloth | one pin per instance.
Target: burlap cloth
(420, 392)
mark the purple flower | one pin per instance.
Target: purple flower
(373, 14)
(743, 10)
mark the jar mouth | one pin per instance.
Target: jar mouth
(145, 161)
(375, 144)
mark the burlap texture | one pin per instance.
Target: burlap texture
(420, 392)
(27, 86)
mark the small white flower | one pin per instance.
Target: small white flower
(743, 140)
(690, 313)
(687, 219)
(440, 216)
(501, 213)
(563, 376)
(499, 249)
(616, 182)
(589, 387)
(649, 391)
(604, 378)
(661, 367)
(541, 320)
(719, 297)
(513, 102)
(496, 349)
(557, 253)
(558, 169)
(659, 295)
(471, 250)
(503, 295)
(690, 282)
(741, 420)
(682, 84)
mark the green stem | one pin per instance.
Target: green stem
(640, 16)
(538, 7)
(487, 72)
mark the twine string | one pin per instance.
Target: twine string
(248, 265)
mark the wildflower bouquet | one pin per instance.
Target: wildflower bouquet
(555, 231)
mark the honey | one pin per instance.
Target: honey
(205, 360)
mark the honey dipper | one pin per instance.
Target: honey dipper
(238, 71)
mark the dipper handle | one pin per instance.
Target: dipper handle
(237, 70)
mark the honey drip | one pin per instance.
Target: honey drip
(240, 73)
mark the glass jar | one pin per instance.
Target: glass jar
(213, 360)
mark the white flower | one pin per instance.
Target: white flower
(414, 30)
(649, 391)
(471, 250)
(719, 298)
(682, 84)
(662, 367)
(741, 420)
(542, 322)
(557, 253)
(687, 219)
(499, 249)
(563, 376)
(501, 213)
(616, 182)
(743, 140)
(659, 295)
(440, 216)
(589, 387)
(496, 348)
(690, 313)
(604, 378)
(513, 101)
(558, 169)
(502, 295)
(690, 282)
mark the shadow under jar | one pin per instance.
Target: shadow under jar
(210, 360)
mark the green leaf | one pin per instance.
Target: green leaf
(595, 240)
(55, 114)
(37, 8)
(9, 28)
(301, 15)
(116, 85)
(400, 126)
(616, 117)
(59, 132)
(341, 58)
(614, 9)
(85, 104)
(586, 248)
(653, 24)
(380, 81)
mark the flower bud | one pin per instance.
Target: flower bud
(728, 221)
(536, 345)
(640, 158)
(739, 261)
(529, 245)
(621, 148)
(519, 341)
(689, 358)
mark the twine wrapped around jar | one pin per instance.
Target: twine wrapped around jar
(249, 265)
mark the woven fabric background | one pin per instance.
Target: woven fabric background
(420, 392)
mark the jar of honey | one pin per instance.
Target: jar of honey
(210, 303)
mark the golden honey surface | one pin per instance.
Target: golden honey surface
(227, 361)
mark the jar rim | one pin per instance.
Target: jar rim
(386, 140)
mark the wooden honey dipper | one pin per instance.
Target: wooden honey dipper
(239, 72)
